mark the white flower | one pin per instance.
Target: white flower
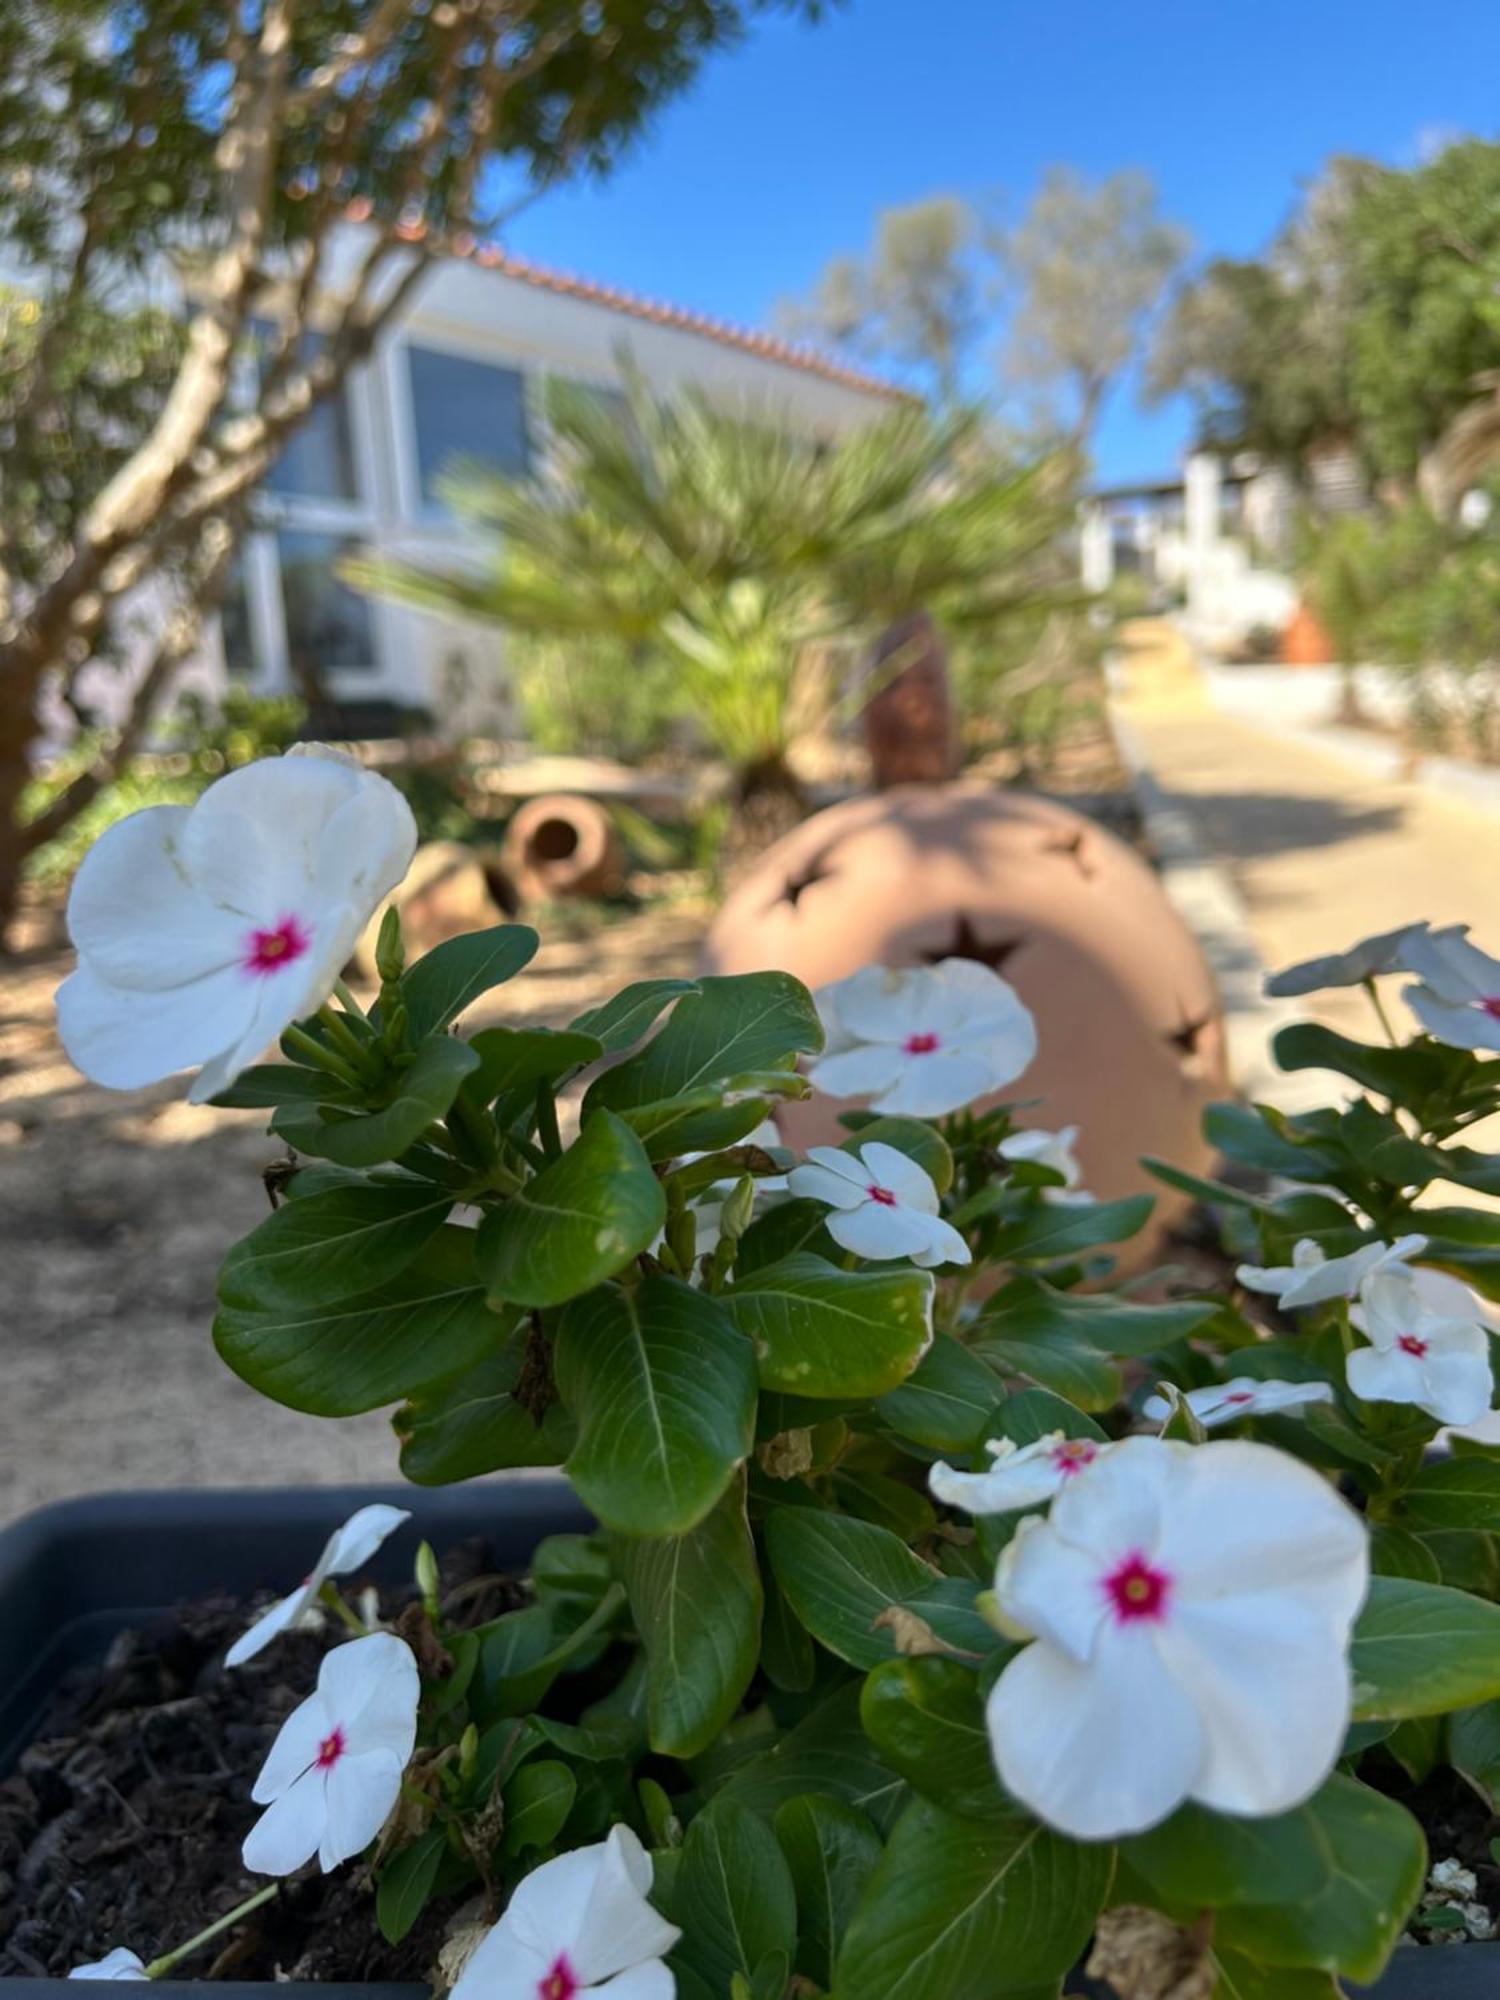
(1366, 960)
(1417, 1355)
(1019, 1478)
(203, 931)
(924, 1040)
(1458, 1001)
(1054, 1150)
(334, 1772)
(1313, 1277)
(1223, 1402)
(1192, 1605)
(884, 1204)
(119, 1964)
(575, 1927)
(348, 1549)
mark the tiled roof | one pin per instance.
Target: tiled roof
(769, 347)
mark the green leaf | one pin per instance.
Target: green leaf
(783, 1231)
(1061, 1229)
(1375, 1866)
(822, 1332)
(469, 1424)
(696, 1601)
(734, 1892)
(841, 1575)
(538, 1800)
(1029, 1329)
(1250, 1134)
(1203, 1860)
(748, 1021)
(1027, 1308)
(926, 1718)
(1423, 1649)
(577, 1223)
(351, 1238)
(356, 1354)
(1216, 1193)
(1240, 1978)
(914, 1137)
(1407, 1075)
(831, 1851)
(1394, 1552)
(454, 974)
(520, 1058)
(947, 1400)
(829, 1753)
(695, 1121)
(956, 1905)
(1454, 1493)
(424, 1094)
(1036, 1413)
(406, 1882)
(662, 1385)
(522, 1652)
(620, 1022)
(265, 1085)
(1474, 1747)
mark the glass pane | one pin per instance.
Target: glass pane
(465, 409)
(318, 462)
(236, 635)
(327, 625)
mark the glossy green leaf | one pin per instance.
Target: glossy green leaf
(695, 1121)
(631, 1013)
(662, 1385)
(348, 1239)
(783, 1231)
(696, 1600)
(842, 1576)
(265, 1085)
(357, 1354)
(1422, 1649)
(734, 1896)
(1061, 1229)
(538, 1800)
(831, 1851)
(577, 1223)
(822, 1332)
(1454, 1493)
(1474, 1747)
(1035, 1413)
(470, 1424)
(520, 1058)
(406, 1882)
(957, 1905)
(727, 1026)
(829, 1753)
(424, 1094)
(947, 1400)
(926, 1718)
(453, 974)
(522, 1652)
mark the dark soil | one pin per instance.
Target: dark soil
(122, 1823)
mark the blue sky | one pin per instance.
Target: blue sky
(786, 148)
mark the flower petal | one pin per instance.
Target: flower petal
(503, 1966)
(651, 1981)
(359, 1794)
(289, 1830)
(929, 1086)
(1097, 1750)
(366, 847)
(887, 1003)
(1458, 1023)
(138, 918)
(371, 1688)
(1385, 1375)
(361, 1535)
(890, 1168)
(944, 1246)
(292, 799)
(1046, 1585)
(1121, 1504)
(858, 1071)
(124, 1037)
(295, 1749)
(271, 1623)
(878, 1232)
(619, 1927)
(118, 1964)
(1460, 1387)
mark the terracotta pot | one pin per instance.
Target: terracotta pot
(1132, 1045)
(561, 845)
(1305, 642)
(911, 728)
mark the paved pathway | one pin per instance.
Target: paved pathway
(1321, 851)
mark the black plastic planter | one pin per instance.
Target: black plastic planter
(73, 1575)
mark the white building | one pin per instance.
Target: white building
(461, 373)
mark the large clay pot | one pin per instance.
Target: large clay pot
(1131, 1043)
(562, 845)
(1305, 642)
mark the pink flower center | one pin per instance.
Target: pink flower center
(921, 1045)
(1136, 1590)
(268, 951)
(882, 1195)
(1490, 1005)
(561, 1982)
(331, 1749)
(1410, 1343)
(1238, 1396)
(1073, 1454)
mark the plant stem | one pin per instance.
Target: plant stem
(546, 1122)
(345, 1036)
(329, 1595)
(351, 1005)
(1380, 1014)
(320, 1055)
(160, 1967)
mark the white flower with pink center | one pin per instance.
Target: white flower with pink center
(1368, 959)
(1313, 1277)
(922, 1040)
(1022, 1476)
(1054, 1150)
(1224, 1402)
(121, 1963)
(334, 1772)
(204, 931)
(578, 1926)
(1458, 1000)
(1192, 1607)
(883, 1204)
(348, 1549)
(1438, 1360)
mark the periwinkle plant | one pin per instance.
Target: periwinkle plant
(924, 1624)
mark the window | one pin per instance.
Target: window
(236, 634)
(327, 624)
(318, 462)
(465, 409)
